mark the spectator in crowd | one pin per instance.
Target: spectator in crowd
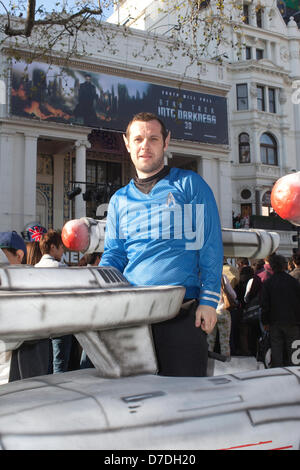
(290, 265)
(233, 275)
(31, 359)
(14, 249)
(13, 246)
(94, 259)
(251, 332)
(281, 311)
(231, 272)
(237, 221)
(223, 325)
(52, 249)
(246, 273)
(267, 272)
(82, 261)
(254, 284)
(296, 271)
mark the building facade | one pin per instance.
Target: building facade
(238, 126)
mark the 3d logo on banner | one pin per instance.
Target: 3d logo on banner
(78, 97)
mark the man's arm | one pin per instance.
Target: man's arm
(114, 251)
(206, 318)
(210, 263)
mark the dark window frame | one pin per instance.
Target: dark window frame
(268, 152)
(261, 102)
(259, 17)
(272, 100)
(259, 54)
(244, 146)
(248, 53)
(246, 13)
(240, 97)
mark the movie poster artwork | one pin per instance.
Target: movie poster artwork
(101, 101)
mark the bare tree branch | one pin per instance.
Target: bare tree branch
(53, 19)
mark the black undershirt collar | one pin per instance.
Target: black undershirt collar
(145, 185)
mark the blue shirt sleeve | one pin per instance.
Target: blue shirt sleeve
(114, 250)
(211, 252)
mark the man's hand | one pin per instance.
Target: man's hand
(206, 317)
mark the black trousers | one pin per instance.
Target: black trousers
(282, 338)
(31, 359)
(181, 348)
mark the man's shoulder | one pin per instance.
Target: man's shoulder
(181, 173)
(295, 273)
(188, 178)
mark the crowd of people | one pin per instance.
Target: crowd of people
(272, 284)
(265, 299)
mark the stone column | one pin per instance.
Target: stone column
(252, 14)
(277, 54)
(58, 191)
(255, 146)
(30, 163)
(225, 193)
(80, 175)
(268, 50)
(6, 180)
(282, 155)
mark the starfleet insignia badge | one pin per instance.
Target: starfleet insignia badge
(171, 200)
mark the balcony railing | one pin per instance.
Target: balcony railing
(270, 223)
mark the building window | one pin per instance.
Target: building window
(244, 148)
(261, 98)
(266, 203)
(259, 16)
(246, 13)
(272, 101)
(248, 53)
(242, 96)
(268, 150)
(259, 54)
(266, 99)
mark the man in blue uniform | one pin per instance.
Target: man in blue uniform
(163, 228)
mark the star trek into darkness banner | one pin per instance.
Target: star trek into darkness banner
(101, 101)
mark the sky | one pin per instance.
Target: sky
(51, 4)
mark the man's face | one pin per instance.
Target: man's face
(57, 252)
(146, 147)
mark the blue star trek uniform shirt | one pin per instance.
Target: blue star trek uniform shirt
(170, 236)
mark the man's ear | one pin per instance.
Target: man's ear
(126, 143)
(20, 255)
(167, 141)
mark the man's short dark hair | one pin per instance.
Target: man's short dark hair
(52, 237)
(296, 258)
(277, 263)
(146, 117)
